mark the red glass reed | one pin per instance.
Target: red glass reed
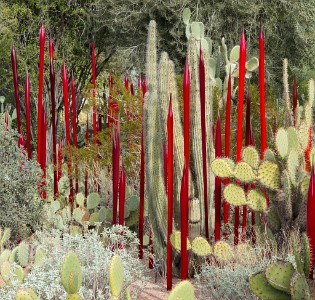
(241, 86)
(170, 170)
(227, 152)
(142, 172)
(165, 158)
(295, 96)
(122, 195)
(43, 153)
(74, 129)
(94, 93)
(202, 82)
(53, 113)
(115, 164)
(184, 226)
(144, 86)
(217, 190)
(310, 220)
(86, 178)
(252, 186)
(263, 126)
(184, 200)
(67, 123)
(40, 92)
(28, 115)
(16, 88)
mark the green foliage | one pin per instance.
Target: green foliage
(21, 204)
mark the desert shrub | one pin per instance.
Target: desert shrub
(94, 252)
(231, 280)
(20, 204)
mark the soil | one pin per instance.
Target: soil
(155, 287)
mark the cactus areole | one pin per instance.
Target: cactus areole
(310, 219)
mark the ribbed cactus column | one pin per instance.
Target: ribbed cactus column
(155, 190)
(195, 125)
(178, 148)
(210, 147)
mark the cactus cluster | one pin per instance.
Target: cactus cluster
(281, 280)
(282, 174)
(221, 250)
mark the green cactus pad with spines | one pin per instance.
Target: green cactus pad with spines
(116, 276)
(230, 162)
(269, 175)
(308, 114)
(273, 219)
(221, 168)
(19, 273)
(244, 172)
(293, 165)
(75, 230)
(201, 247)
(307, 255)
(234, 195)
(235, 54)
(222, 251)
(93, 219)
(293, 139)
(133, 219)
(250, 155)
(26, 294)
(71, 273)
(133, 203)
(74, 297)
(102, 214)
(186, 15)
(5, 236)
(79, 198)
(175, 239)
(109, 215)
(304, 135)
(282, 143)
(5, 255)
(127, 295)
(93, 200)
(23, 254)
(182, 291)
(252, 64)
(126, 211)
(77, 214)
(40, 257)
(55, 206)
(304, 185)
(299, 288)
(263, 290)
(197, 30)
(297, 256)
(286, 183)
(269, 155)
(256, 200)
(13, 255)
(279, 275)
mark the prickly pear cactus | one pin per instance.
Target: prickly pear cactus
(116, 277)
(182, 291)
(26, 294)
(71, 273)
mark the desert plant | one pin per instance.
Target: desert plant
(19, 186)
